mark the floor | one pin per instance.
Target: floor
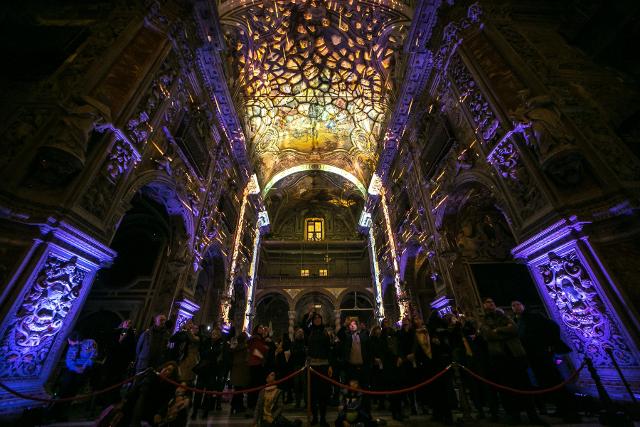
(222, 419)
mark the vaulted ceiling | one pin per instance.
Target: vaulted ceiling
(314, 79)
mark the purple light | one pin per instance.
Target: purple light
(568, 274)
(33, 333)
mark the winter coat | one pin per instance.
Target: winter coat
(151, 350)
(258, 351)
(79, 358)
(276, 409)
(318, 345)
(239, 368)
(501, 335)
(185, 352)
(346, 339)
(298, 353)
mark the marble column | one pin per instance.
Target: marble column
(47, 297)
(292, 323)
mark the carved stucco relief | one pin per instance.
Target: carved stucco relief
(29, 337)
(577, 300)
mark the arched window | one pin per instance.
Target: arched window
(314, 229)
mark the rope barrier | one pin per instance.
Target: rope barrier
(569, 379)
(228, 392)
(474, 375)
(383, 392)
(73, 398)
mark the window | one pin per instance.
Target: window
(304, 272)
(323, 272)
(314, 229)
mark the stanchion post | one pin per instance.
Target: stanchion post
(464, 399)
(308, 393)
(610, 416)
(609, 352)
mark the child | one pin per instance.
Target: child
(269, 406)
(177, 410)
(354, 410)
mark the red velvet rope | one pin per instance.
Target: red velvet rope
(73, 398)
(382, 392)
(221, 393)
(570, 379)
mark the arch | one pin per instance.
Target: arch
(156, 179)
(273, 308)
(357, 303)
(327, 302)
(262, 293)
(365, 291)
(314, 166)
(482, 179)
(320, 291)
(210, 284)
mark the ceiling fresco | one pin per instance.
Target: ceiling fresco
(315, 78)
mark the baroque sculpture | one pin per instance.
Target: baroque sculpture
(27, 341)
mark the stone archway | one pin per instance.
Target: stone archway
(153, 240)
(321, 303)
(210, 285)
(479, 240)
(273, 310)
(357, 304)
(128, 287)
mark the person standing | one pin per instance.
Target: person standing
(240, 377)
(392, 378)
(298, 360)
(540, 337)
(507, 361)
(356, 353)
(119, 362)
(210, 371)
(78, 363)
(185, 351)
(151, 349)
(258, 353)
(319, 353)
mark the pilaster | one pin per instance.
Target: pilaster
(48, 296)
(579, 296)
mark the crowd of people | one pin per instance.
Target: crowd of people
(513, 350)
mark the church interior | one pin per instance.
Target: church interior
(245, 165)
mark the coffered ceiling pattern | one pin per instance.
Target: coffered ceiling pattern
(315, 78)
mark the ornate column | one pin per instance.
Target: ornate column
(443, 305)
(249, 313)
(401, 294)
(367, 224)
(186, 309)
(292, 323)
(48, 295)
(252, 187)
(578, 293)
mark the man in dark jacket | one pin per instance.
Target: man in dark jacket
(540, 337)
(507, 361)
(151, 350)
(356, 353)
(319, 355)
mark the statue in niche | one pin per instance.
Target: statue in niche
(482, 237)
(553, 144)
(65, 149)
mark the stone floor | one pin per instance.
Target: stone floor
(222, 419)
